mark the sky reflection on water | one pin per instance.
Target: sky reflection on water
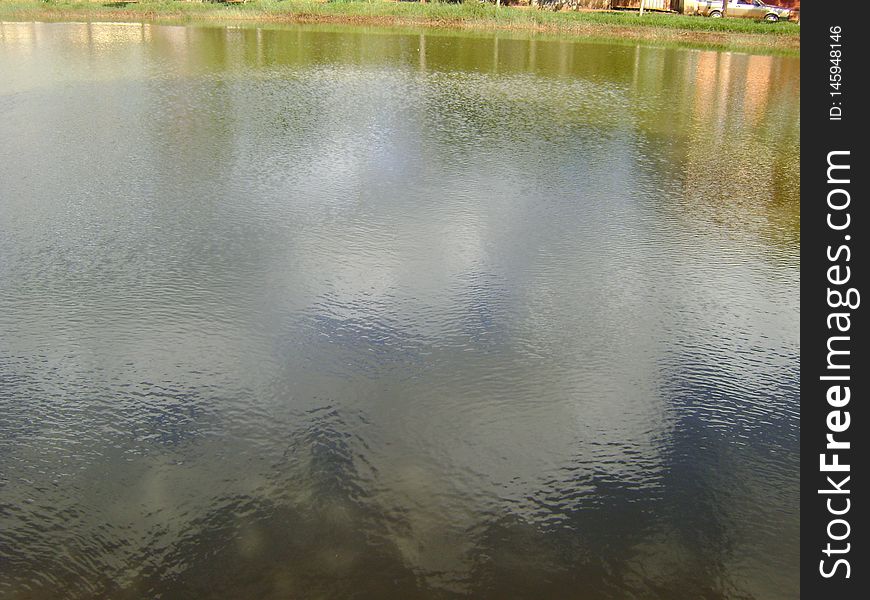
(338, 313)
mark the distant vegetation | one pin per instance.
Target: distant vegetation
(717, 33)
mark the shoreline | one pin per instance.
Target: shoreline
(626, 26)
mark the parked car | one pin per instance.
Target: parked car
(748, 9)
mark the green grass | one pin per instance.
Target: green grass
(722, 33)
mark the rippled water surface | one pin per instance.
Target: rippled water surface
(334, 313)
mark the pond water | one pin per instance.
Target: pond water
(334, 312)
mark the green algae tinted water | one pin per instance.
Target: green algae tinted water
(311, 313)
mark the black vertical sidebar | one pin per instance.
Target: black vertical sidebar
(835, 433)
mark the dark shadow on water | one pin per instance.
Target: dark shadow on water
(256, 549)
(611, 550)
(321, 540)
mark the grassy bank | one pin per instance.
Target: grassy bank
(716, 33)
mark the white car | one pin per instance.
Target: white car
(747, 9)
